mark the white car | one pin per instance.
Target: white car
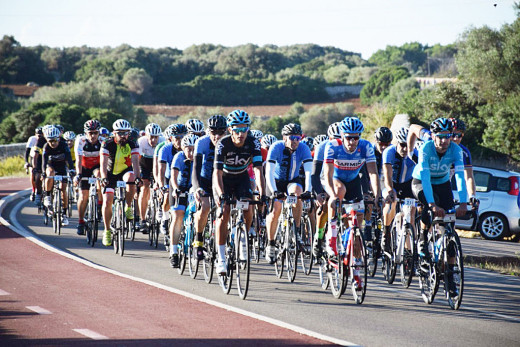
(499, 211)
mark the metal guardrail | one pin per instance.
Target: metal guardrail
(12, 150)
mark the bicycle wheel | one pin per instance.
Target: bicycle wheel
(182, 253)
(209, 252)
(45, 216)
(291, 252)
(89, 222)
(70, 191)
(280, 257)
(192, 256)
(242, 266)
(96, 218)
(306, 257)
(407, 266)
(324, 277)
(57, 212)
(428, 281)
(117, 225)
(226, 280)
(359, 268)
(389, 266)
(454, 275)
(372, 250)
(122, 230)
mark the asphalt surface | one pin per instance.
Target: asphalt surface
(390, 315)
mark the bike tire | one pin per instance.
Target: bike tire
(407, 266)
(89, 222)
(390, 267)
(70, 191)
(428, 282)
(122, 230)
(242, 266)
(457, 273)
(307, 257)
(359, 292)
(182, 253)
(57, 212)
(209, 255)
(291, 251)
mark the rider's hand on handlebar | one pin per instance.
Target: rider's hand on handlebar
(278, 195)
(461, 210)
(306, 195)
(437, 211)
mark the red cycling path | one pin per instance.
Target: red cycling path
(48, 299)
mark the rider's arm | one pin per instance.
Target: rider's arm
(68, 158)
(260, 181)
(173, 178)
(317, 166)
(103, 164)
(269, 175)
(196, 170)
(218, 182)
(27, 152)
(459, 176)
(307, 167)
(45, 159)
(387, 174)
(470, 181)
(425, 174)
(135, 165)
(329, 173)
(374, 178)
(414, 132)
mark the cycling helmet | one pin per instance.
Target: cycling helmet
(60, 128)
(69, 135)
(334, 130)
(309, 141)
(51, 132)
(153, 129)
(38, 131)
(121, 124)
(402, 135)
(104, 132)
(194, 126)
(292, 129)
(217, 122)
(383, 134)
(189, 140)
(352, 125)
(91, 125)
(441, 124)
(458, 124)
(134, 134)
(268, 140)
(178, 129)
(319, 139)
(238, 117)
(257, 134)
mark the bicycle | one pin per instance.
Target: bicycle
(405, 251)
(92, 218)
(57, 203)
(307, 235)
(119, 222)
(72, 196)
(210, 251)
(443, 244)
(151, 219)
(374, 246)
(234, 248)
(286, 240)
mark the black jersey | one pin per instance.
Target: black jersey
(119, 157)
(235, 160)
(57, 157)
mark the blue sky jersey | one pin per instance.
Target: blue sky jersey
(431, 169)
(347, 165)
(205, 149)
(184, 166)
(288, 164)
(402, 168)
(166, 154)
(235, 160)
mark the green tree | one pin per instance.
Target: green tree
(137, 80)
(378, 86)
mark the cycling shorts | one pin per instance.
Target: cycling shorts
(238, 186)
(84, 185)
(112, 179)
(354, 191)
(282, 185)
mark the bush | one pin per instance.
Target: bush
(12, 166)
(317, 120)
(378, 86)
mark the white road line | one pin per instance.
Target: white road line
(91, 334)
(3, 292)
(38, 309)
(19, 229)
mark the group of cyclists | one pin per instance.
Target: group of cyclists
(223, 160)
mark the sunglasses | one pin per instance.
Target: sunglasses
(218, 132)
(295, 137)
(93, 132)
(457, 135)
(177, 136)
(403, 144)
(444, 136)
(53, 140)
(355, 138)
(240, 130)
(384, 143)
(122, 133)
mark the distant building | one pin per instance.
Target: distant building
(20, 90)
(426, 82)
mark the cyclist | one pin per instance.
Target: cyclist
(34, 174)
(69, 137)
(87, 148)
(397, 173)
(266, 142)
(103, 132)
(333, 132)
(284, 160)
(180, 182)
(147, 145)
(202, 173)
(344, 159)
(195, 126)
(55, 159)
(119, 162)
(431, 180)
(166, 154)
(233, 155)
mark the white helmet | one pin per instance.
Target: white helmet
(268, 140)
(334, 130)
(153, 129)
(189, 140)
(69, 135)
(195, 126)
(51, 132)
(402, 135)
(121, 124)
(257, 134)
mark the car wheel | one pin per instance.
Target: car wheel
(493, 226)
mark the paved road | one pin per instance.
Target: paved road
(390, 315)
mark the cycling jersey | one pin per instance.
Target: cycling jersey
(234, 160)
(57, 158)
(30, 144)
(347, 165)
(119, 157)
(38, 147)
(205, 150)
(181, 164)
(379, 161)
(466, 156)
(88, 151)
(166, 154)
(402, 168)
(432, 169)
(146, 152)
(317, 168)
(287, 162)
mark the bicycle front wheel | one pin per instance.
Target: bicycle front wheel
(407, 266)
(291, 252)
(454, 274)
(306, 256)
(242, 262)
(428, 281)
(182, 253)
(359, 268)
(226, 280)
(209, 256)
(389, 266)
(122, 229)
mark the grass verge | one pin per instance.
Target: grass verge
(12, 166)
(504, 265)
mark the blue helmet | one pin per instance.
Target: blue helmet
(178, 129)
(238, 117)
(441, 124)
(352, 125)
(309, 141)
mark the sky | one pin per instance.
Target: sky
(360, 26)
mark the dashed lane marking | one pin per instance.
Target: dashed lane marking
(38, 309)
(91, 334)
(3, 292)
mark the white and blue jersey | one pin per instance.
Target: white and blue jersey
(166, 154)
(184, 166)
(205, 149)
(287, 163)
(432, 169)
(347, 165)
(402, 168)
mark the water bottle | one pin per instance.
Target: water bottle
(400, 244)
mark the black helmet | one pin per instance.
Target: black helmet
(91, 125)
(458, 124)
(217, 122)
(178, 129)
(292, 129)
(383, 134)
(38, 131)
(441, 124)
